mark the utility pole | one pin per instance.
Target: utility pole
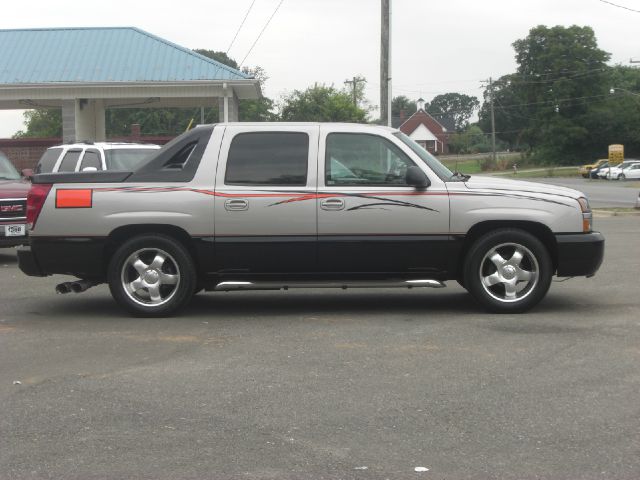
(385, 63)
(493, 125)
(354, 87)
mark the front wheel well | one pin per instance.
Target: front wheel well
(538, 230)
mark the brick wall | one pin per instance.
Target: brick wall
(25, 152)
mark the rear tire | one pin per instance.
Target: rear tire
(508, 271)
(152, 275)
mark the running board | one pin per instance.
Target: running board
(234, 286)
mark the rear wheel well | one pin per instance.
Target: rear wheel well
(121, 234)
(538, 230)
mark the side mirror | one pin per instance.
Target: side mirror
(27, 173)
(417, 178)
(89, 169)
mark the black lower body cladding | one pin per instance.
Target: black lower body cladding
(579, 254)
(79, 256)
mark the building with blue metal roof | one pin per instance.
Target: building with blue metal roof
(87, 70)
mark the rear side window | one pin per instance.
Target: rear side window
(268, 158)
(91, 158)
(48, 160)
(70, 161)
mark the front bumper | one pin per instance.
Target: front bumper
(580, 254)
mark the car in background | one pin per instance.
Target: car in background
(13, 205)
(632, 172)
(586, 169)
(91, 157)
(616, 171)
(594, 171)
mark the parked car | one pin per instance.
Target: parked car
(616, 171)
(13, 205)
(594, 171)
(79, 157)
(260, 206)
(632, 172)
(586, 169)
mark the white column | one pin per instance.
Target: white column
(89, 120)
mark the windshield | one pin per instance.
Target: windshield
(127, 159)
(438, 168)
(7, 170)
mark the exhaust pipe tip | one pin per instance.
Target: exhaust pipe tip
(63, 288)
(76, 287)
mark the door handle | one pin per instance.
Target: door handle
(332, 204)
(236, 204)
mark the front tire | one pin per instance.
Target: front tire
(508, 271)
(622, 177)
(152, 275)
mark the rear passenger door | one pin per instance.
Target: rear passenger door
(265, 209)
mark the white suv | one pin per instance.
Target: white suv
(83, 157)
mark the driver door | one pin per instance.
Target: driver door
(369, 219)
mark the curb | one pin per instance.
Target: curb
(603, 212)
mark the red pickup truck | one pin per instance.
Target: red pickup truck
(13, 204)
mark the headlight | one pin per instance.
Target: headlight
(587, 217)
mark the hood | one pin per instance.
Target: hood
(494, 183)
(14, 188)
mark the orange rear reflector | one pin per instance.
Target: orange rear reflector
(76, 198)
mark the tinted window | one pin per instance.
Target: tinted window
(127, 158)
(70, 161)
(48, 160)
(7, 170)
(362, 159)
(91, 159)
(268, 158)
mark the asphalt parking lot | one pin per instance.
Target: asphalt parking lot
(329, 384)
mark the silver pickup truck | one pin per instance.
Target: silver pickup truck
(274, 206)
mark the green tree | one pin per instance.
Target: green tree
(457, 106)
(321, 103)
(221, 57)
(471, 140)
(402, 103)
(42, 123)
(548, 102)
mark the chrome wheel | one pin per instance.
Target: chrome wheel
(150, 277)
(509, 272)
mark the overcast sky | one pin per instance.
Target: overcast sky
(438, 46)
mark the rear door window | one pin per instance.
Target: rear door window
(91, 158)
(268, 159)
(70, 161)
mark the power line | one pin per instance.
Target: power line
(240, 27)
(619, 6)
(262, 31)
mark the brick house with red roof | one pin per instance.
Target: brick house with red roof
(427, 131)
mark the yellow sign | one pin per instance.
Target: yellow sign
(616, 154)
